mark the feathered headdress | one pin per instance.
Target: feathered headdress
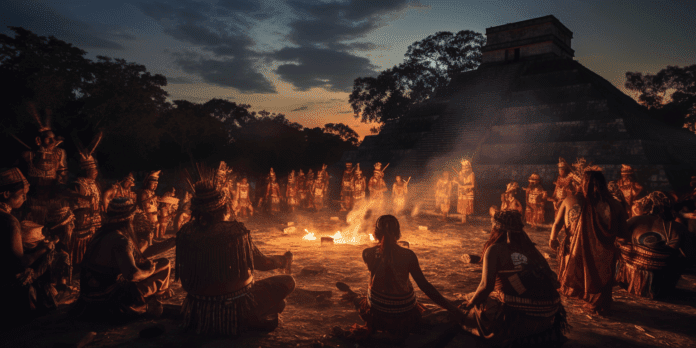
(46, 124)
(206, 193)
(86, 159)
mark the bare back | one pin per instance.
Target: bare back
(390, 277)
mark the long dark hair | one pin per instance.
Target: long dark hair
(387, 232)
(517, 240)
(594, 187)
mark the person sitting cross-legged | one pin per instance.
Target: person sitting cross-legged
(517, 301)
(391, 305)
(216, 260)
(116, 280)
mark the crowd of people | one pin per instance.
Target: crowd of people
(613, 233)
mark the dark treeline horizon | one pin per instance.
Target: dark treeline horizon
(143, 131)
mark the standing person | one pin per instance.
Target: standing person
(291, 193)
(536, 201)
(88, 202)
(301, 189)
(46, 168)
(516, 302)
(377, 186)
(273, 193)
(391, 305)
(147, 199)
(119, 189)
(321, 184)
(347, 188)
(592, 220)
(116, 280)
(19, 274)
(442, 194)
(629, 187)
(466, 183)
(309, 184)
(399, 192)
(168, 205)
(244, 205)
(563, 184)
(508, 199)
(183, 214)
(359, 186)
(216, 260)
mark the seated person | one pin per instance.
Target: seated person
(652, 256)
(26, 254)
(116, 281)
(215, 260)
(517, 301)
(391, 305)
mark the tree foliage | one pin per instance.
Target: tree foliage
(669, 95)
(142, 129)
(429, 64)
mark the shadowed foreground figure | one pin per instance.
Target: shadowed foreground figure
(391, 305)
(516, 303)
(592, 220)
(215, 260)
(116, 280)
(651, 262)
(25, 281)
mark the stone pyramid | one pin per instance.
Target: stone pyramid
(528, 104)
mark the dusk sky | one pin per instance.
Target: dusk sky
(300, 57)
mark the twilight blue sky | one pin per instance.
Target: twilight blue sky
(300, 57)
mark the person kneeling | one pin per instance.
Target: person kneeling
(116, 281)
(517, 301)
(215, 260)
(391, 305)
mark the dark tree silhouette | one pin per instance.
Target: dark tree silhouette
(669, 95)
(430, 64)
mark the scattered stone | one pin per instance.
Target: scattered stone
(404, 244)
(485, 231)
(335, 218)
(312, 271)
(291, 223)
(470, 258)
(311, 297)
(423, 228)
(327, 240)
(289, 230)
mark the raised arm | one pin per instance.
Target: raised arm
(428, 288)
(487, 285)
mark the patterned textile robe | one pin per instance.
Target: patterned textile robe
(88, 220)
(536, 199)
(465, 202)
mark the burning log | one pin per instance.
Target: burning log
(327, 240)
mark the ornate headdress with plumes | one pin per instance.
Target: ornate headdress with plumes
(128, 178)
(535, 178)
(43, 125)
(86, 159)
(511, 187)
(626, 169)
(207, 196)
(357, 169)
(153, 176)
(465, 163)
(562, 163)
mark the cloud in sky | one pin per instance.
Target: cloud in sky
(40, 18)
(301, 108)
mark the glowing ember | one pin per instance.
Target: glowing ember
(372, 239)
(309, 236)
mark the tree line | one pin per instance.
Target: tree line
(143, 130)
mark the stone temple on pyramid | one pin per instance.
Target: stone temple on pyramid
(528, 104)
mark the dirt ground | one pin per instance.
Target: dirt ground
(310, 315)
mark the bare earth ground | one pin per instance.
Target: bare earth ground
(308, 318)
